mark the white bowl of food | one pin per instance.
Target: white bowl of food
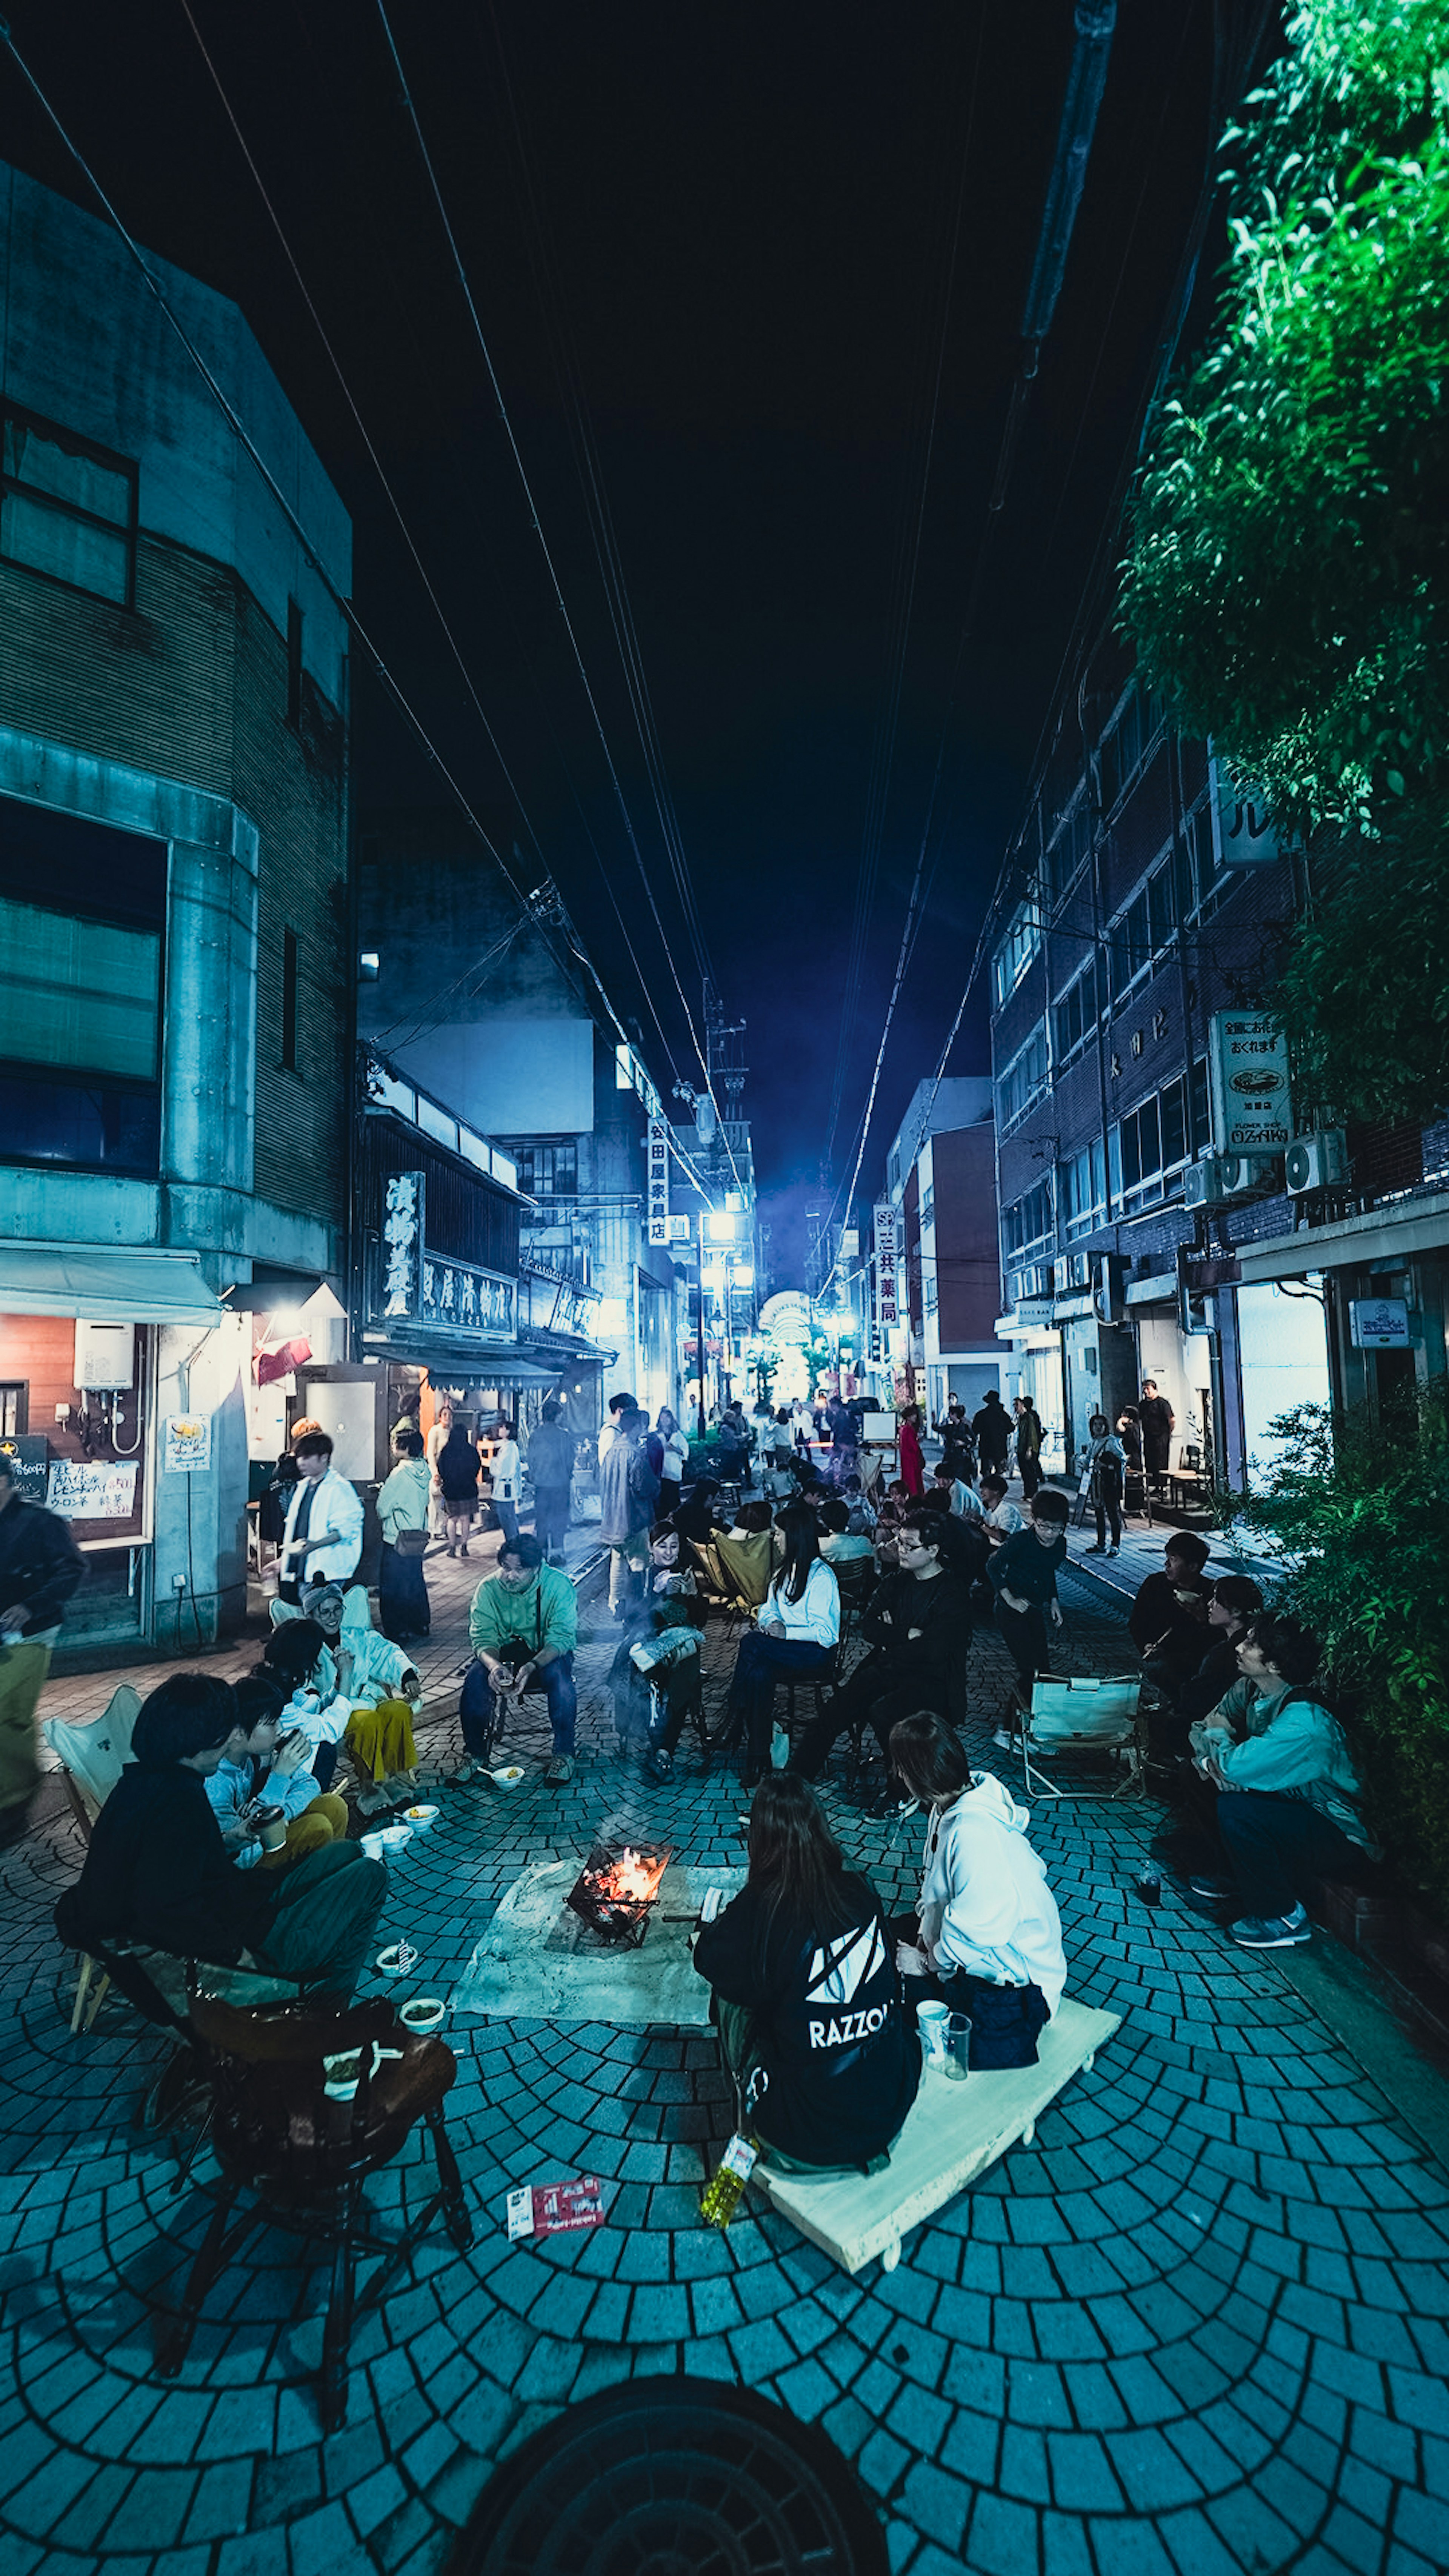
(508, 1776)
(395, 1838)
(419, 1817)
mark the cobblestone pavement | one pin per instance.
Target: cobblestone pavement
(1198, 2328)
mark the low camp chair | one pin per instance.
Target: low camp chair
(91, 1759)
(1084, 1714)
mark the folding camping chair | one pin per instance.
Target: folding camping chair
(1082, 1714)
(91, 1759)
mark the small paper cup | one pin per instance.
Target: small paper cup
(372, 1845)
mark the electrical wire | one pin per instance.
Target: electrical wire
(465, 285)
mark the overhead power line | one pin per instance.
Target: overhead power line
(465, 285)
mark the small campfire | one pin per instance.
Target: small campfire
(616, 1887)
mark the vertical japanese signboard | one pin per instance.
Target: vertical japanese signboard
(658, 1151)
(887, 1307)
(1251, 1111)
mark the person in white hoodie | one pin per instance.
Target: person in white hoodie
(988, 1937)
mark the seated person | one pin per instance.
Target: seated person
(1169, 1615)
(807, 1996)
(999, 1518)
(696, 1517)
(838, 1544)
(1235, 1602)
(917, 1625)
(895, 1504)
(1023, 1576)
(797, 1633)
(299, 1658)
(654, 1675)
(961, 1495)
(378, 1682)
(860, 1510)
(987, 1939)
(270, 1768)
(158, 1872)
(1287, 1807)
(524, 1626)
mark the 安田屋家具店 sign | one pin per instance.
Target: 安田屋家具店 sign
(1251, 1105)
(658, 1181)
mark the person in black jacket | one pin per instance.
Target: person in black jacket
(40, 1567)
(1235, 1604)
(991, 1430)
(808, 1997)
(918, 1627)
(157, 1871)
(1169, 1615)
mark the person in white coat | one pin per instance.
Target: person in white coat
(322, 1542)
(988, 1937)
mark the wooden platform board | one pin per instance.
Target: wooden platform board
(954, 2132)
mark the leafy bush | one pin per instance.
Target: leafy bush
(1288, 583)
(1357, 1516)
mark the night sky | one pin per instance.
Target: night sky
(730, 232)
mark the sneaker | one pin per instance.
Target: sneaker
(1114, 1551)
(1279, 1932)
(659, 1764)
(1096, 1549)
(560, 1771)
(1214, 1889)
(1005, 1743)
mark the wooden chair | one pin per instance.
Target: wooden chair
(91, 1759)
(305, 2157)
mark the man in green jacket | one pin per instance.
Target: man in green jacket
(523, 1627)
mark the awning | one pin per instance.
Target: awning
(106, 1283)
(477, 1362)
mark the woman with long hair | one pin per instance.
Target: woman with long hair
(674, 1462)
(987, 1938)
(458, 1469)
(807, 1995)
(798, 1632)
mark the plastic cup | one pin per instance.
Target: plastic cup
(931, 2020)
(372, 1845)
(958, 2046)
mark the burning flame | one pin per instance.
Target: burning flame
(633, 1879)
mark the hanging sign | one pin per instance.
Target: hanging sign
(1379, 1323)
(1251, 1111)
(887, 1309)
(658, 1181)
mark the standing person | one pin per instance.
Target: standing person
(456, 1477)
(506, 1469)
(733, 1452)
(1028, 1445)
(612, 1423)
(807, 1997)
(1158, 1422)
(1107, 1464)
(1023, 1576)
(437, 1436)
(913, 1464)
(322, 1542)
(844, 1443)
(991, 1431)
(987, 1938)
(628, 1494)
(954, 1433)
(40, 1567)
(800, 1428)
(402, 1508)
(551, 1467)
(523, 1627)
(676, 1459)
(798, 1631)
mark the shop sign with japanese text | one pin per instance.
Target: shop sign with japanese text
(466, 1300)
(1251, 1108)
(658, 1181)
(887, 1307)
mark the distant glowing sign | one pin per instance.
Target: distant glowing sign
(887, 1307)
(658, 1150)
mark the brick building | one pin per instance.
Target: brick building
(173, 872)
(1149, 908)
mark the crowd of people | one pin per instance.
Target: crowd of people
(228, 1837)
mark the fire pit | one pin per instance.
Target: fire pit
(616, 1888)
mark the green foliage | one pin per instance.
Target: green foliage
(1288, 583)
(1357, 1514)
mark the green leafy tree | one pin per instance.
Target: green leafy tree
(1288, 581)
(1355, 1515)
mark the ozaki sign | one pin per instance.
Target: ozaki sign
(1251, 1105)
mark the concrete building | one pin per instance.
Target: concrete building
(173, 873)
(1147, 1229)
(941, 1198)
(483, 1003)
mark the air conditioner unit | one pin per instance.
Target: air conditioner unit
(1201, 1186)
(1108, 1273)
(1239, 1173)
(1316, 1162)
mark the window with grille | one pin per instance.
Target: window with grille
(549, 1171)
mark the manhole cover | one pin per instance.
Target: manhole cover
(674, 2477)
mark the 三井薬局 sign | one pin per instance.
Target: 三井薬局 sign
(1251, 1107)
